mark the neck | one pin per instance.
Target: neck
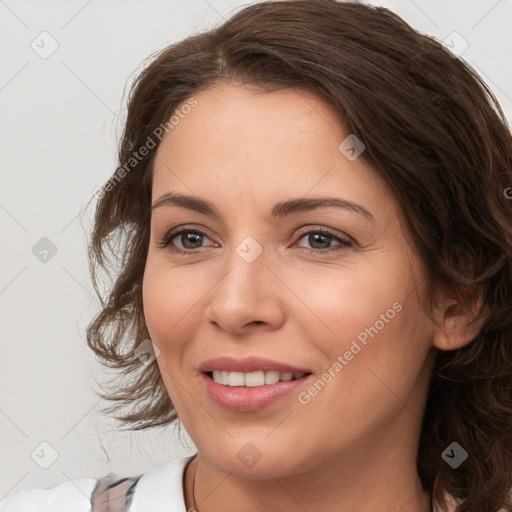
(372, 476)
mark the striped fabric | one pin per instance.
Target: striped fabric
(112, 494)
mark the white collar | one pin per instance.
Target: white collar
(161, 490)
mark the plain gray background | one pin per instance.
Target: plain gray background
(61, 115)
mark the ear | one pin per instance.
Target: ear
(456, 318)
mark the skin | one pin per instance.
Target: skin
(354, 445)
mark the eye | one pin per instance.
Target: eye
(190, 240)
(322, 238)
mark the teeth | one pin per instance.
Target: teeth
(271, 377)
(253, 379)
(236, 379)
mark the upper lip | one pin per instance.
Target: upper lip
(248, 364)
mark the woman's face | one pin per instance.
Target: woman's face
(260, 280)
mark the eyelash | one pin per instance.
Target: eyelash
(166, 240)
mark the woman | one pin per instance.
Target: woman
(313, 237)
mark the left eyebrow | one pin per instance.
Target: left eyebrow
(307, 204)
(279, 210)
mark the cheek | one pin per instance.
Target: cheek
(171, 304)
(171, 312)
(382, 340)
(339, 304)
(372, 318)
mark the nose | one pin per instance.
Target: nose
(248, 294)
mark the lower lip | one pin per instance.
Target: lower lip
(250, 399)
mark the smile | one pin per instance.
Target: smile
(252, 379)
(238, 397)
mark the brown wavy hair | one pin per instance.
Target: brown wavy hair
(432, 129)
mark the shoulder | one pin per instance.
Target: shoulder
(159, 489)
(72, 496)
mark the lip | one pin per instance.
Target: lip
(250, 399)
(249, 364)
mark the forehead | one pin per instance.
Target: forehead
(237, 142)
(248, 122)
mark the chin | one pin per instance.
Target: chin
(253, 461)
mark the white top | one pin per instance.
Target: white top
(159, 490)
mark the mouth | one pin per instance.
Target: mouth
(254, 379)
(251, 383)
(251, 392)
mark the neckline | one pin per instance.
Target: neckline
(184, 486)
(162, 488)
